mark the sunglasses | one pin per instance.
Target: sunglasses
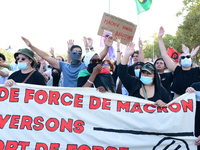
(96, 60)
(22, 58)
(183, 57)
(105, 65)
(75, 51)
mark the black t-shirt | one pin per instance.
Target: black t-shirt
(196, 86)
(36, 78)
(184, 78)
(166, 80)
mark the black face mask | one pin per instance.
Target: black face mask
(55, 75)
(91, 67)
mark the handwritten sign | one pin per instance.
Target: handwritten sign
(119, 27)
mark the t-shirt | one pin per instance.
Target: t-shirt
(184, 78)
(166, 80)
(36, 78)
(70, 73)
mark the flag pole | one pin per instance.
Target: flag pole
(109, 6)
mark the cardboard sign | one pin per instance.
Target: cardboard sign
(119, 28)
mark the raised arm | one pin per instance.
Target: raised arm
(141, 52)
(108, 42)
(53, 62)
(118, 40)
(128, 52)
(169, 62)
(52, 52)
(70, 43)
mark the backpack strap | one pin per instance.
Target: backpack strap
(28, 76)
(144, 92)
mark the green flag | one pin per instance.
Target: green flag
(143, 5)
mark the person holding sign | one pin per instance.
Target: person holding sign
(147, 86)
(95, 75)
(27, 74)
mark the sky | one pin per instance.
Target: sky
(51, 23)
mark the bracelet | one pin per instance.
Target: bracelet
(89, 81)
(118, 50)
(91, 48)
(86, 48)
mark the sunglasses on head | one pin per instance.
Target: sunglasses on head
(75, 51)
(22, 58)
(183, 57)
(96, 60)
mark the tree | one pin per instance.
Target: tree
(189, 32)
(152, 49)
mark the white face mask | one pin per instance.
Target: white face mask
(186, 62)
(22, 65)
(137, 72)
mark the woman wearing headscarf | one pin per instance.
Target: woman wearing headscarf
(147, 86)
(27, 74)
(95, 75)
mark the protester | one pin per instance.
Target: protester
(95, 75)
(147, 86)
(195, 87)
(137, 55)
(70, 70)
(4, 72)
(185, 74)
(106, 63)
(27, 74)
(165, 77)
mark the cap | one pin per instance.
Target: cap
(148, 67)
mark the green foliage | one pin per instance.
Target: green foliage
(9, 56)
(188, 32)
(152, 49)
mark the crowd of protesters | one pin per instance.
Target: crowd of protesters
(160, 81)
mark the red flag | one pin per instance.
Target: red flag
(173, 54)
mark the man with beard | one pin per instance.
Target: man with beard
(95, 75)
(70, 70)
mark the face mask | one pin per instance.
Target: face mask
(91, 67)
(186, 62)
(75, 55)
(22, 65)
(137, 72)
(146, 80)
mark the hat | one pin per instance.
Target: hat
(27, 52)
(88, 56)
(148, 67)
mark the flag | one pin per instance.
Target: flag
(172, 53)
(143, 5)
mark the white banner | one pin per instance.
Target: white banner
(47, 118)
